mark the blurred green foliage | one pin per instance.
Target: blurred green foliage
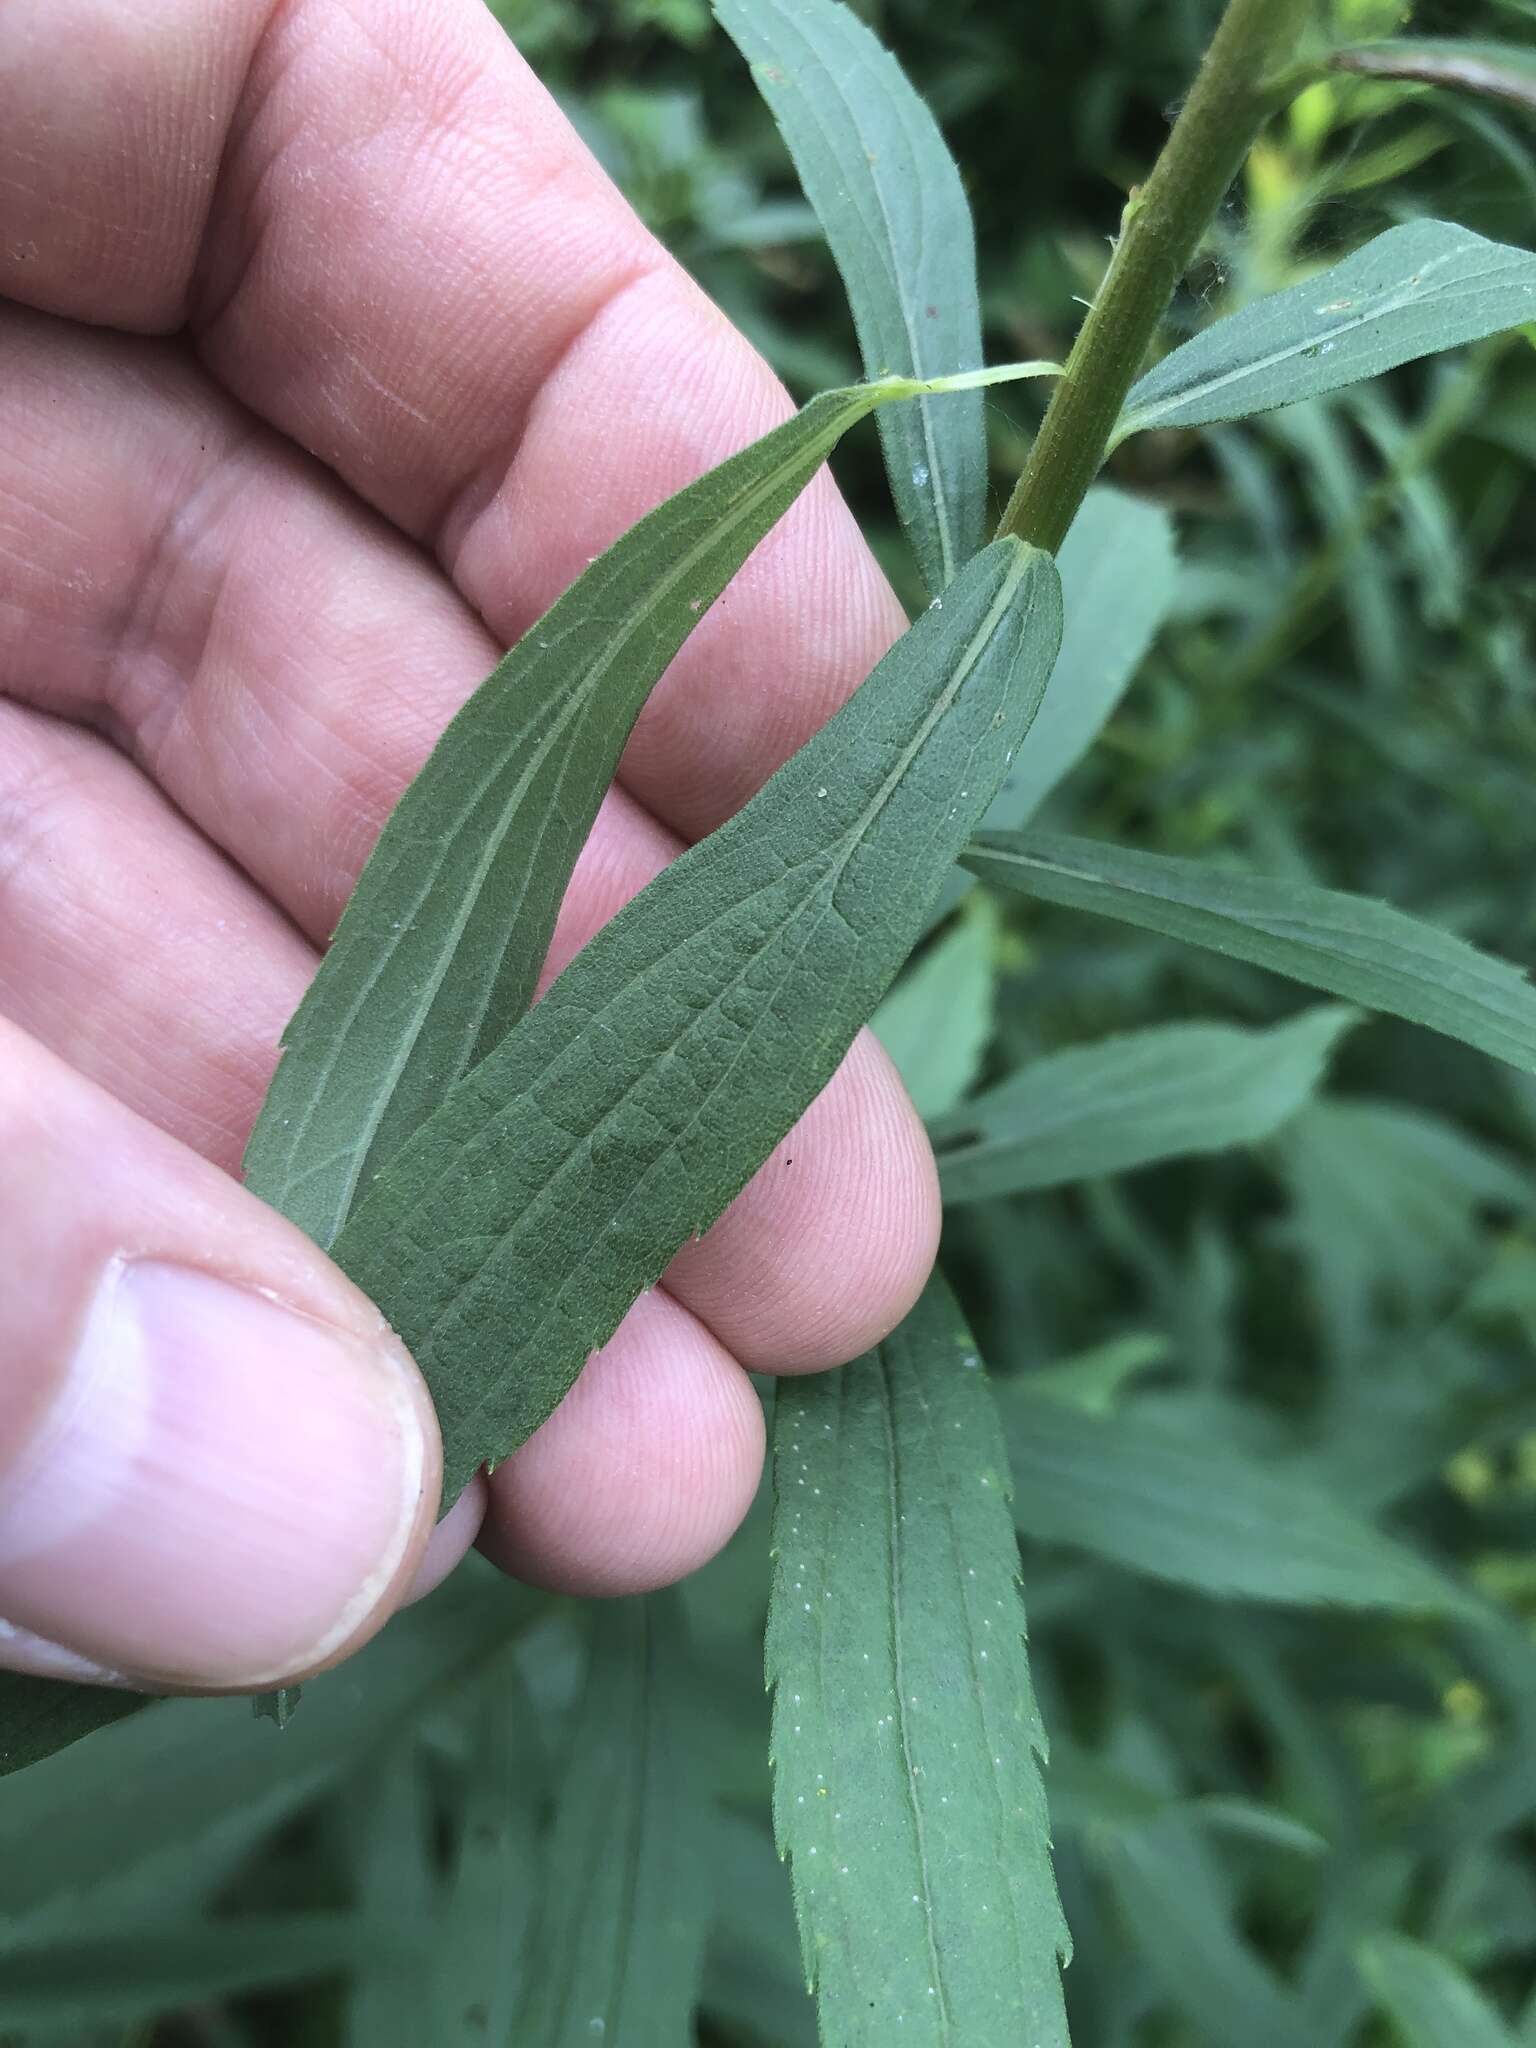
(1245, 1790)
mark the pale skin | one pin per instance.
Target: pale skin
(327, 359)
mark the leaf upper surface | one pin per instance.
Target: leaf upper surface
(1131, 1100)
(1200, 1513)
(1411, 292)
(906, 1739)
(617, 1943)
(885, 187)
(1352, 946)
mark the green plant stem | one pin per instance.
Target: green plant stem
(1164, 222)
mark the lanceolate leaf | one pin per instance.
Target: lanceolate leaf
(1430, 2001)
(508, 1238)
(1118, 571)
(906, 1740)
(1496, 71)
(623, 1883)
(1412, 292)
(1200, 1513)
(133, 1809)
(440, 947)
(1352, 946)
(1127, 1101)
(874, 166)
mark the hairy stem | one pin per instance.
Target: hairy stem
(1160, 234)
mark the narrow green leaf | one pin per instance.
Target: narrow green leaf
(906, 1740)
(509, 1237)
(1119, 571)
(937, 1021)
(1351, 946)
(185, 1787)
(1431, 2002)
(393, 1883)
(440, 946)
(1177, 1903)
(478, 1955)
(1411, 292)
(1199, 1513)
(1495, 71)
(1132, 1100)
(41, 1715)
(76, 1981)
(874, 165)
(618, 1942)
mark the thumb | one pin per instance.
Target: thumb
(218, 1469)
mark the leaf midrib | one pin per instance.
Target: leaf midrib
(1138, 417)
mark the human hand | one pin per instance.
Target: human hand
(327, 359)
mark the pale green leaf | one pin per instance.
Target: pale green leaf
(1182, 1507)
(906, 1740)
(1119, 571)
(440, 946)
(1351, 946)
(508, 1238)
(1432, 2004)
(1094, 1380)
(937, 1021)
(874, 165)
(1495, 71)
(77, 1980)
(1411, 292)
(1129, 1101)
(618, 1939)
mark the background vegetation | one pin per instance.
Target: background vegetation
(1254, 1357)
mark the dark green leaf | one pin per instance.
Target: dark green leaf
(509, 1237)
(1362, 950)
(1431, 2002)
(1130, 1101)
(1496, 71)
(618, 1942)
(874, 166)
(906, 1739)
(441, 944)
(1413, 291)
(1198, 1512)
(185, 1787)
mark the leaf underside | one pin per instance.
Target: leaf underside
(509, 1237)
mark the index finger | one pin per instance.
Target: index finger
(384, 237)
